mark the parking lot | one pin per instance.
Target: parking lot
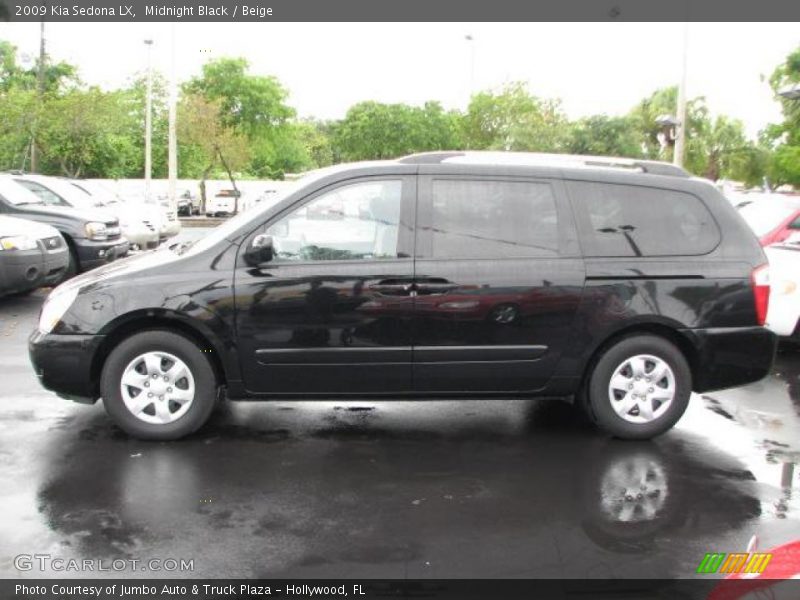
(395, 489)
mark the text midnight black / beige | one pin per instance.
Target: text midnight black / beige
(182, 11)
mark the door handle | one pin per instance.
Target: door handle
(392, 285)
(436, 288)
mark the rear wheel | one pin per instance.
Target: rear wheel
(639, 387)
(158, 385)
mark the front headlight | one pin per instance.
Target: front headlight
(55, 306)
(17, 242)
(96, 231)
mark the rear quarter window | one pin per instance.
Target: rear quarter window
(617, 220)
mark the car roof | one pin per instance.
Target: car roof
(538, 159)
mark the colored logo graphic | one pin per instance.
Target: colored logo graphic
(742, 562)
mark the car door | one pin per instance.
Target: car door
(498, 281)
(331, 311)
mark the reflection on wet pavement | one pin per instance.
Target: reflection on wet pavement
(398, 489)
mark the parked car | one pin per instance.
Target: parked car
(188, 204)
(223, 203)
(93, 236)
(170, 225)
(58, 191)
(139, 223)
(783, 316)
(662, 290)
(773, 217)
(32, 255)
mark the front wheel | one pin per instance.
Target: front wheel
(639, 387)
(158, 385)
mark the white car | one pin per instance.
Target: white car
(139, 224)
(170, 224)
(223, 203)
(783, 314)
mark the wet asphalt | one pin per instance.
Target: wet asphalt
(495, 489)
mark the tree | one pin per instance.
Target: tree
(719, 149)
(21, 105)
(57, 76)
(602, 135)
(80, 134)
(783, 139)
(253, 106)
(514, 119)
(200, 127)
(315, 136)
(19, 109)
(373, 130)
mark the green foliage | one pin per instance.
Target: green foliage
(251, 103)
(19, 109)
(372, 130)
(514, 119)
(234, 122)
(783, 139)
(255, 107)
(57, 76)
(80, 134)
(602, 135)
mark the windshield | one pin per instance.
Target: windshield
(16, 194)
(765, 216)
(58, 192)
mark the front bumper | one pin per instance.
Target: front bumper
(731, 356)
(55, 265)
(63, 364)
(21, 270)
(95, 254)
(143, 237)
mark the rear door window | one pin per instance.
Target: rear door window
(492, 219)
(627, 220)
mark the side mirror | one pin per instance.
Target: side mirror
(260, 250)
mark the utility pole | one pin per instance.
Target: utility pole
(172, 145)
(680, 138)
(471, 41)
(148, 122)
(39, 96)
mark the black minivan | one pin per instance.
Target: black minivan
(622, 284)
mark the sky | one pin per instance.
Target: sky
(592, 67)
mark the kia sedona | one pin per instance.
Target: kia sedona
(622, 285)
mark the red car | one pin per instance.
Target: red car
(773, 218)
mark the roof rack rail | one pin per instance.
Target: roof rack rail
(652, 167)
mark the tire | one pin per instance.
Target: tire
(632, 495)
(186, 401)
(73, 267)
(638, 356)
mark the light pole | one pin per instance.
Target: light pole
(680, 137)
(39, 95)
(471, 41)
(172, 146)
(148, 122)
